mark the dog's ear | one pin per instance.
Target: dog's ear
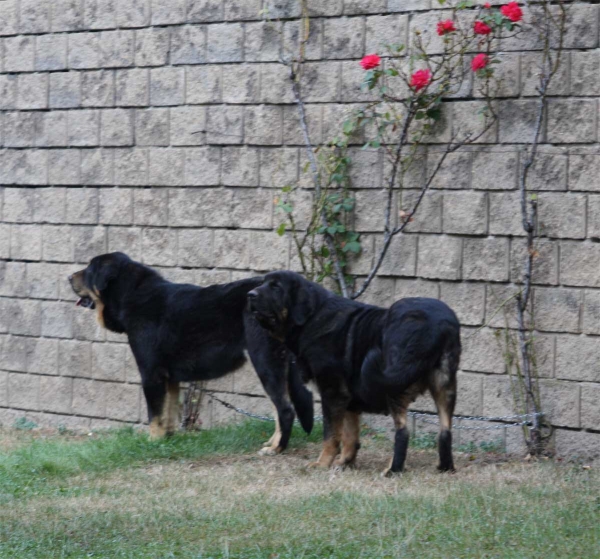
(305, 304)
(104, 274)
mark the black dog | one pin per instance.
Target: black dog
(365, 359)
(181, 333)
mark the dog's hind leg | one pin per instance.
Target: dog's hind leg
(399, 407)
(443, 390)
(350, 440)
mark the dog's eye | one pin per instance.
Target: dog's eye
(276, 287)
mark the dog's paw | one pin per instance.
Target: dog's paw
(341, 465)
(268, 451)
(388, 472)
(317, 466)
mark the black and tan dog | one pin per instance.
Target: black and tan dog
(365, 359)
(181, 333)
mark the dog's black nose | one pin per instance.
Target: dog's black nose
(252, 294)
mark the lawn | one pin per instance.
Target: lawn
(208, 495)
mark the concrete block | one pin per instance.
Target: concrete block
(275, 84)
(88, 242)
(167, 86)
(241, 83)
(98, 88)
(203, 166)
(127, 240)
(573, 444)
(97, 167)
(195, 248)
(242, 9)
(465, 212)
(225, 42)
(116, 48)
(224, 124)
(19, 53)
(166, 166)
(135, 13)
(116, 206)
(486, 259)
(63, 166)
(50, 52)
(131, 167)
(439, 257)
(185, 125)
(57, 245)
(385, 30)
(8, 91)
(569, 120)
(84, 50)
(263, 40)
(577, 358)
(517, 120)
(495, 171)
(9, 17)
(117, 127)
(23, 391)
(590, 411)
(232, 248)
(151, 47)
(55, 394)
(100, 14)
(51, 129)
(505, 214)
(82, 205)
(591, 312)
(467, 300)
(240, 166)
(482, 351)
(579, 264)
(166, 12)
(150, 206)
(585, 73)
(42, 280)
(108, 361)
(159, 247)
(84, 128)
(203, 84)
(557, 309)
(18, 205)
(56, 319)
(416, 288)
(132, 88)
(562, 215)
(67, 15)
(188, 45)
(122, 401)
(205, 10)
(545, 261)
(26, 242)
(89, 398)
(152, 127)
(344, 37)
(33, 91)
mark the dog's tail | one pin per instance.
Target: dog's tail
(421, 350)
(301, 397)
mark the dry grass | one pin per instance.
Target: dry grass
(247, 506)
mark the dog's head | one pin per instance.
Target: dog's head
(92, 283)
(284, 299)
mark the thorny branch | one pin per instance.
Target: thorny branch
(551, 59)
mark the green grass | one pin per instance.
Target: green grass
(32, 468)
(207, 495)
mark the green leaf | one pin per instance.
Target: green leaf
(435, 114)
(353, 246)
(281, 229)
(286, 188)
(349, 127)
(375, 144)
(332, 230)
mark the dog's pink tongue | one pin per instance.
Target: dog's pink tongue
(79, 301)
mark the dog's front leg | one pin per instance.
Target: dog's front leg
(162, 399)
(334, 402)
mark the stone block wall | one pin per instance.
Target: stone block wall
(166, 128)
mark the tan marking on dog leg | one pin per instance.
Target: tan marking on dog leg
(271, 447)
(157, 429)
(331, 446)
(170, 414)
(444, 395)
(350, 440)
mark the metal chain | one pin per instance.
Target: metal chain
(425, 417)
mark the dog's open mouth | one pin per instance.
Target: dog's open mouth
(86, 302)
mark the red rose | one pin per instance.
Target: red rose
(512, 12)
(444, 27)
(420, 79)
(479, 62)
(370, 61)
(481, 28)
(487, 5)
